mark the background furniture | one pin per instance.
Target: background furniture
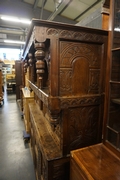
(19, 78)
(1, 88)
(27, 97)
(10, 83)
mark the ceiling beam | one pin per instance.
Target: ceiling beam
(42, 8)
(90, 7)
(11, 31)
(35, 4)
(59, 9)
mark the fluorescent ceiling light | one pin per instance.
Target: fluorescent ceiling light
(117, 29)
(15, 19)
(15, 42)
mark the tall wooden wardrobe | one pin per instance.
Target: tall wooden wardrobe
(67, 70)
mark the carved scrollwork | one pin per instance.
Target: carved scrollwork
(52, 31)
(83, 125)
(79, 61)
(72, 102)
(65, 80)
(74, 35)
(69, 51)
(94, 83)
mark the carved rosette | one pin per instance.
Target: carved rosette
(40, 65)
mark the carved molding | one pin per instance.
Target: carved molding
(83, 101)
(41, 33)
(66, 102)
(73, 35)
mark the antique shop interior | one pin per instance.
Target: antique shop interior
(59, 89)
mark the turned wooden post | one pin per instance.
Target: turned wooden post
(25, 67)
(40, 65)
(31, 67)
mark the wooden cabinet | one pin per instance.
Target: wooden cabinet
(68, 67)
(112, 113)
(102, 161)
(27, 97)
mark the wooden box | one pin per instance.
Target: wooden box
(95, 162)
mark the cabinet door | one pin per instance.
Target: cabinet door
(113, 88)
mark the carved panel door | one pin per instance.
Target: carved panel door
(82, 72)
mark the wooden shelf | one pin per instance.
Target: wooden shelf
(115, 82)
(117, 101)
(116, 49)
(114, 130)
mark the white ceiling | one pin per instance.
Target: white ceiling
(68, 11)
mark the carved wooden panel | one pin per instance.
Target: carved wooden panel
(41, 33)
(80, 65)
(80, 101)
(82, 127)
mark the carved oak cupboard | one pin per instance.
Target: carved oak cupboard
(68, 66)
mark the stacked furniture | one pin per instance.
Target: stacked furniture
(102, 161)
(67, 68)
(27, 97)
(11, 83)
(1, 88)
(19, 78)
